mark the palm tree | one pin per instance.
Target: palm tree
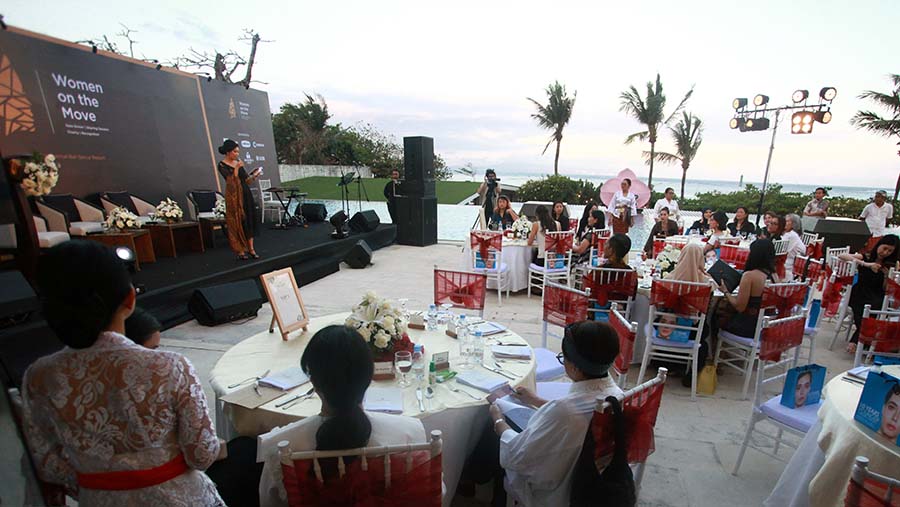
(650, 112)
(888, 125)
(554, 116)
(687, 134)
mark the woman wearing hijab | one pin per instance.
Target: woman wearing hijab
(240, 212)
(690, 267)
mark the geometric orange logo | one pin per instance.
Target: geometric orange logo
(15, 108)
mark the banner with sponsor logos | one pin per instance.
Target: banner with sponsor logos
(115, 123)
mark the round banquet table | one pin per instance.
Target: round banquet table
(458, 416)
(819, 471)
(517, 256)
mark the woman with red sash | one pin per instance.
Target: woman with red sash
(116, 423)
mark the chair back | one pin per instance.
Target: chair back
(599, 245)
(658, 245)
(734, 255)
(834, 253)
(781, 265)
(678, 242)
(868, 489)
(816, 249)
(265, 185)
(784, 297)
(573, 224)
(627, 331)
(675, 299)
(399, 475)
(562, 306)
(486, 249)
(558, 250)
(777, 336)
(781, 246)
(891, 294)
(814, 270)
(880, 331)
(611, 285)
(809, 237)
(462, 289)
(799, 267)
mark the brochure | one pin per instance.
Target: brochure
(803, 386)
(879, 406)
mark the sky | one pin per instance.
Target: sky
(460, 72)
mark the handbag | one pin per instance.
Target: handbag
(707, 379)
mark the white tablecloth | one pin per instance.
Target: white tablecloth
(819, 470)
(458, 416)
(517, 256)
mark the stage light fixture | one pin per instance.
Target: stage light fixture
(338, 221)
(754, 124)
(802, 122)
(823, 117)
(739, 104)
(828, 93)
(735, 122)
(760, 100)
(799, 96)
(127, 256)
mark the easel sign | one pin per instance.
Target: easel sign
(287, 305)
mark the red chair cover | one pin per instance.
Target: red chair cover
(734, 255)
(463, 290)
(640, 413)
(815, 250)
(871, 494)
(421, 486)
(563, 307)
(600, 244)
(680, 299)
(831, 296)
(813, 270)
(799, 267)
(559, 243)
(732, 242)
(780, 337)
(573, 224)
(783, 298)
(626, 344)
(780, 269)
(484, 241)
(611, 285)
(885, 334)
(870, 244)
(892, 289)
(658, 245)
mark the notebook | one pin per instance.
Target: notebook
(721, 272)
(511, 351)
(516, 415)
(481, 379)
(384, 399)
(286, 379)
(487, 328)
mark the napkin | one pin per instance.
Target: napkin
(487, 328)
(285, 379)
(511, 351)
(481, 379)
(384, 399)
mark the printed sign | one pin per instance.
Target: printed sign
(879, 406)
(803, 386)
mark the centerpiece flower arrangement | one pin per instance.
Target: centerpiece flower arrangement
(667, 259)
(120, 218)
(521, 227)
(40, 175)
(169, 210)
(219, 208)
(381, 325)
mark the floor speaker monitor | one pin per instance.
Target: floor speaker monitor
(359, 256)
(364, 221)
(228, 302)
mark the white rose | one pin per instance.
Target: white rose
(370, 312)
(120, 224)
(49, 159)
(365, 333)
(381, 340)
(371, 296)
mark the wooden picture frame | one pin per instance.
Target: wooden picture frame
(283, 294)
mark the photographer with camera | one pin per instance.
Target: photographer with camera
(489, 191)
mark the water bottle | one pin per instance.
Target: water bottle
(431, 323)
(465, 344)
(418, 364)
(477, 349)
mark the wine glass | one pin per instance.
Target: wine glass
(448, 312)
(403, 310)
(403, 363)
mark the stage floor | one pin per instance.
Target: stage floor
(311, 252)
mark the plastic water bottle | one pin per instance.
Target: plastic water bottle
(465, 343)
(431, 323)
(418, 364)
(477, 356)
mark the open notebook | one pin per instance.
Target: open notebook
(384, 399)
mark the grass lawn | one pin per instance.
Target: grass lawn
(325, 187)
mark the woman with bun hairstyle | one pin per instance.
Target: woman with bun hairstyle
(240, 212)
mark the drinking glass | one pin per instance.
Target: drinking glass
(447, 316)
(403, 363)
(403, 310)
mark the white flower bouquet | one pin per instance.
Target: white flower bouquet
(381, 325)
(667, 259)
(121, 218)
(169, 210)
(219, 208)
(521, 228)
(40, 175)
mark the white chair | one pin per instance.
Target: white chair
(48, 239)
(610, 286)
(866, 488)
(627, 332)
(562, 306)
(788, 334)
(65, 213)
(268, 202)
(879, 329)
(781, 254)
(674, 299)
(842, 272)
(834, 253)
(557, 261)
(891, 294)
(809, 237)
(491, 262)
(741, 352)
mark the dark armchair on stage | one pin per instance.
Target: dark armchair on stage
(201, 203)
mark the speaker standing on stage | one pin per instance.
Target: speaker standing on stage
(391, 191)
(240, 212)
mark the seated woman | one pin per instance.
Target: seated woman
(663, 228)
(774, 228)
(102, 412)
(503, 216)
(143, 328)
(616, 251)
(690, 268)
(339, 364)
(538, 232)
(717, 231)
(583, 223)
(582, 249)
(540, 461)
(741, 226)
(561, 215)
(869, 287)
(701, 226)
(795, 244)
(759, 269)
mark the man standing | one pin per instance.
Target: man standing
(817, 206)
(668, 201)
(876, 215)
(489, 190)
(391, 191)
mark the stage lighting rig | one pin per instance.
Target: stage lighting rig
(739, 104)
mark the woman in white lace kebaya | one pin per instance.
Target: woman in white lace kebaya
(116, 423)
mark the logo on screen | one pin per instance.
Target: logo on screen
(15, 108)
(245, 144)
(231, 111)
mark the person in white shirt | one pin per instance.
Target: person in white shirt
(718, 228)
(340, 366)
(795, 244)
(817, 206)
(876, 214)
(623, 208)
(540, 461)
(668, 201)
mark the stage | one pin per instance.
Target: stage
(311, 252)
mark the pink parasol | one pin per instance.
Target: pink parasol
(608, 189)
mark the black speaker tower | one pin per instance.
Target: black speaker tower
(417, 208)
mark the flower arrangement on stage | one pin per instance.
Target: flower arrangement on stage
(667, 259)
(219, 208)
(40, 175)
(521, 227)
(121, 218)
(169, 210)
(381, 325)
